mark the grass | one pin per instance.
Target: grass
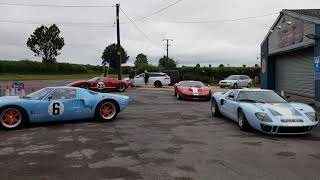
(20, 77)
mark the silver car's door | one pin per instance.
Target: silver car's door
(228, 105)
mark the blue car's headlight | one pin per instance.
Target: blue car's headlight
(263, 117)
(312, 116)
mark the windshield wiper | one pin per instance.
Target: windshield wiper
(250, 100)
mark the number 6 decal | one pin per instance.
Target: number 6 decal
(56, 108)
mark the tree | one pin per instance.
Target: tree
(111, 56)
(167, 63)
(244, 66)
(198, 65)
(221, 66)
(46, 42)
(141, 59)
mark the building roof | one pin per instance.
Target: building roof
(310, 15)
(306, 12)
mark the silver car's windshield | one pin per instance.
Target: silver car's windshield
(233, 77)
(260, 97)
(38, 95)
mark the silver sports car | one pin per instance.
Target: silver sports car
(265, 111)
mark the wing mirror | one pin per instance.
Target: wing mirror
(49, 98)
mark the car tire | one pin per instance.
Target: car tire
(249, 85)
(177, 95)
(215, 108)
(242, 121)
(158, 84)
(84, 86)
(106, 110)
(235, 86)
(121, 87)
(12, 117)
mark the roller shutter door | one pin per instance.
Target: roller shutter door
(294, 73)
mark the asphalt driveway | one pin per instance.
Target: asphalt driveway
(156, 137)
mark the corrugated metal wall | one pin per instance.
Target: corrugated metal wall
(274, 39)
(294, 73)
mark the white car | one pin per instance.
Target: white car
(156, 79)
(236, 81)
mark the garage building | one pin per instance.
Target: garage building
(290, 54)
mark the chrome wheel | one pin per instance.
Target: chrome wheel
(121, 87)
(108, 110)
(11, 118)
(213, 109)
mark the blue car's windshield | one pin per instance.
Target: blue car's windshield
(260, 97)
(38, 95)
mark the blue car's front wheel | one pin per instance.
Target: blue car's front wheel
(106, 110)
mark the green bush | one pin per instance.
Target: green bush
(214, 75)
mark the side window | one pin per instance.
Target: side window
(63, 94)
(232, 95)
(242, 77)
(247, 77)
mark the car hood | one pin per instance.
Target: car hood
(284, 110)
(9, 98)
(76, 82)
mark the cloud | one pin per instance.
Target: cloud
(233, 43)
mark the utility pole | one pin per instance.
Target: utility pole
(118, 41)
(168, 46)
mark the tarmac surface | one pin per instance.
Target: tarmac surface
(156, 138)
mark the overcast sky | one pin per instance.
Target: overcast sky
(233, 43)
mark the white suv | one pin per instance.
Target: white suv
(155, 78)
(236, 81)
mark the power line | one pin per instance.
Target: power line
(59, 23)
(158, 11)
(225, 20)
(136, 26)
(54, 6)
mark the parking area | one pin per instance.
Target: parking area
(156, 137)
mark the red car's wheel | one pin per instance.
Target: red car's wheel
(121, 87)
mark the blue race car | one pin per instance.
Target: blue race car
(59, 104)
(265, 111)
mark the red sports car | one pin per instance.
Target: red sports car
(192, 90)
(101, 84)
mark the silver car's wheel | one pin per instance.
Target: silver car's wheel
(242, 121)
(249, 85)
(214, 108)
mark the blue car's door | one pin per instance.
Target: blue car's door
(229, 105)
(61, 104)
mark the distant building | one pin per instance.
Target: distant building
(290, 54)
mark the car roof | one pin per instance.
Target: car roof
(254, 90)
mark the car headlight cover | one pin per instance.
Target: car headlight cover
(312, 116)
(263, 117)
